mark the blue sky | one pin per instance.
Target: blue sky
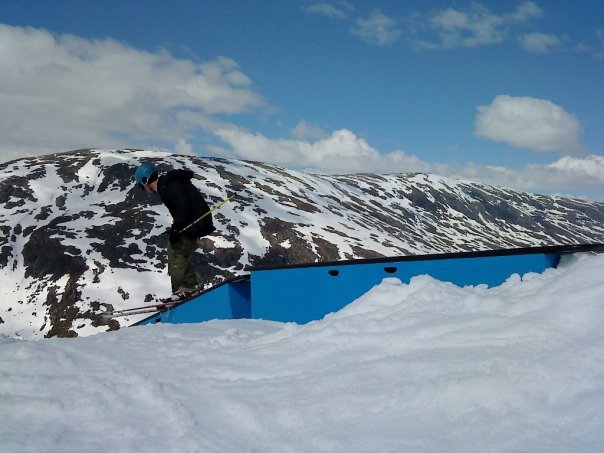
(508, 93)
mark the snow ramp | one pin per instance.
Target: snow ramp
(306, 292)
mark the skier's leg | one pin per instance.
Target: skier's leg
(181, 272)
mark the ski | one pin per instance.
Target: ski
(155, 308)
(151, 308)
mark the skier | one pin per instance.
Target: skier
(191, 220)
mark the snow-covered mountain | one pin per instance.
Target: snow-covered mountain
(79, 237)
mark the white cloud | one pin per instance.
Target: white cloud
(540, 42)
(341, 144)
(344, 152)
(62, 92)
(306, 131)
(590, 168)
(182, 147)
(525, 11)
(339, 10)
(525, 122)
(567, 174)
(470, 27)
(340, 152)
(59, 93)
(377, 29)
(595, 48)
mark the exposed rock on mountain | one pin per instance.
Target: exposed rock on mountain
(79, 237)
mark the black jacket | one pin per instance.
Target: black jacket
(185, 203)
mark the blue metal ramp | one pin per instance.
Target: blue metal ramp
(307, 292)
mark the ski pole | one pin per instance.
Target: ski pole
(214, 208)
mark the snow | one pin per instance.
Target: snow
(427, 366)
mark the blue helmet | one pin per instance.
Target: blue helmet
(145, 174)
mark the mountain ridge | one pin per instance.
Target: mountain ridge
(79, 237)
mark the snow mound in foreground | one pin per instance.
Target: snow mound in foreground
(425, 366)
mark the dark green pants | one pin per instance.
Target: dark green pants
(181, 272)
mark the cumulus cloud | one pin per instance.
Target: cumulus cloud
(343, 151)
(567, 174)
(342, 146)
(525, 122)
(377, 29)
(182, 147)
(472, 26)
(62, 92)
(307, 131)
(590, 168)
(540, 42)
(469, 27)
(335, 10)
(595, 48)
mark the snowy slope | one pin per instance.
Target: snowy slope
(421, 367)
(78, 237)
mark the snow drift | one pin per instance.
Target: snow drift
(427, 366)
